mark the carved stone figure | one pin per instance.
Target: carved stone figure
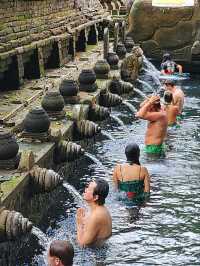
(131, 64)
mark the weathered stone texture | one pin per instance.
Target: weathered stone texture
(22, 22)
(26, 26)
(160, 29)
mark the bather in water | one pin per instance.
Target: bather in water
(132, 178)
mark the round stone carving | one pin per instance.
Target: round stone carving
(8, 145)
(68, 88)
(113, 60)
(37, 121)
(121, 50)
(102, 69)
(53, 102)
(87, 80)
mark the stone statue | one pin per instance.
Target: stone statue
(131, 64)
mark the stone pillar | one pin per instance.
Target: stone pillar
(92, 35)
(41, 61)
(71, 43)
(123, 31)
(60, 54)
(20, 68)
(105, 43)
(116, 36)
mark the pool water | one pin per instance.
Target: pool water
(164, 231)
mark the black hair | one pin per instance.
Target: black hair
(170, 82)
(166, 57)
(63, 250)
(132, 152)
(101, 189)
(168, 97)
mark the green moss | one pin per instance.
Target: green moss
(8, 186)
(69, 115)
(2, 26)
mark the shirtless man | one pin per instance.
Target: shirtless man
(178, 95)
(151, 110)
(95, 227)
(171, 109)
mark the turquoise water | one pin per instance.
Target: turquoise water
(166, 231)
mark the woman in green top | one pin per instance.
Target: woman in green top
(131, 177)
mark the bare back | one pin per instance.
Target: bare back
(127, 172)
(178, 97)
(171, 111)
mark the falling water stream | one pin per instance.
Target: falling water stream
(107, 135)
(145, 85)
(166, 230)
(130, 106)
(42, 237)
(150, 67)
(139, 92)
(117, 119)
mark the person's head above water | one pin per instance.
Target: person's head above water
(168, 97)
(61, 253)
(166, 57)
(132, 152)
(97, 191)
(169, 84)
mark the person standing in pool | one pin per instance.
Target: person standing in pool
(95, 227)
(131, 177)
(169, 67)
(178, 95)
(171, 110)
(151, 111)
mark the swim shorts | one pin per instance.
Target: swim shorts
(155, 149)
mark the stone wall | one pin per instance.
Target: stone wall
(35, 35)
(166, 29)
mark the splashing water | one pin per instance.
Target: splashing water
(130, 106)
(146, 85)
(148, 65)
(106, 134)
(155, 77)
(76, 195)
(142, 94)
(43, 239)
(118, 120)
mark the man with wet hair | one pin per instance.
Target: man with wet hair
(94, 227)
(61, 253)
(171, 110)
(177, 93)
(151, 110)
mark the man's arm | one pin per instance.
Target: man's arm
(144, 110)
(87, 233)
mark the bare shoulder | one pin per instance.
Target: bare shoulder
(144, 171)
(101, 210)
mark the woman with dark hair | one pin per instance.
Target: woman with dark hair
(131, 177)
(169, 67)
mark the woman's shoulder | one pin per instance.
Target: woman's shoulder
(144, 169)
